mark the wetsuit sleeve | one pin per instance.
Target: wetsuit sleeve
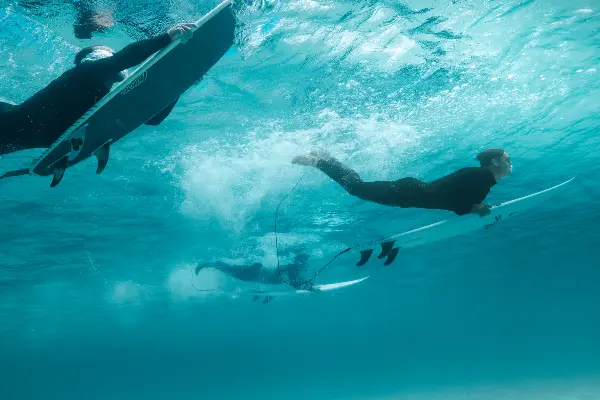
(458, 192)
(133, 54)
(473, 188)
(463, 207)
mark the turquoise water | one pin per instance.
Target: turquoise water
(97, 297)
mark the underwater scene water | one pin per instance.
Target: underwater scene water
(98, 299)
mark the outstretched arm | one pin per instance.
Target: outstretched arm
(135, 53)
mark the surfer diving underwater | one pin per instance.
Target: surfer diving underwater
(44, 117)
(461, 192)
(258, 273)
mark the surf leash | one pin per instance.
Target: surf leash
(308, 281)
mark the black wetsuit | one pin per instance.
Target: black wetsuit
(41, 119)
(257, 272)
(457, 192)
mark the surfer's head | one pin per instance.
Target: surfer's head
(95, 53)
(497, 161)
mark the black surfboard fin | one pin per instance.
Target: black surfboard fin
(57, 177)
(386, 247)
(102, 154)
(59, 171)
(392, 256)
(364, 257)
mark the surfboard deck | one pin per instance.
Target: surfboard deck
(152, 87)
(390, 246)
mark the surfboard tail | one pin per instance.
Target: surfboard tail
(388, 251)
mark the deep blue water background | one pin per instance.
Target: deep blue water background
(96, 294)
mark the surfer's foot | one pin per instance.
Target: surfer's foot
(311, 159)
(199, 267)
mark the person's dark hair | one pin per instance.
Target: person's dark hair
(485, 157)
(84, 52)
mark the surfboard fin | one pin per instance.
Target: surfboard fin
(102, 155)
(59, 171)
(58, 175)
(392, 256)
(364, 257)
(386, 247)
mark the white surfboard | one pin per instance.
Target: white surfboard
(268, 295)
(322, 288)
(451, 227)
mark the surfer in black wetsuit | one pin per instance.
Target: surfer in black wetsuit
(41, 119)
(259, 273)
(461, 192)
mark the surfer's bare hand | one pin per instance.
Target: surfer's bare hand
(182, 31)
(480, 209)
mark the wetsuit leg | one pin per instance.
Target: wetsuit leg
(221, 266)
(401, 193)
(243, 273)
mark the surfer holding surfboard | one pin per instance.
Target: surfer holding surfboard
(258, 273)
(44, 117)
(461, 192)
